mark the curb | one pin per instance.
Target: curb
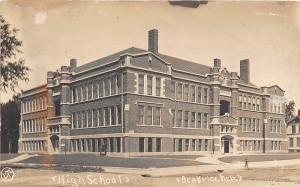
(54, 166)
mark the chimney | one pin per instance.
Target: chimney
(217, 63)
(245, 70)
(153, 41)
(73, 63)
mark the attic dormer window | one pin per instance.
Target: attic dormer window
(150, 61)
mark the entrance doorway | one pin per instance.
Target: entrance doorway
(55, 142)
(227, 144)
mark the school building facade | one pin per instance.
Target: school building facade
(293, 133)
(141, 101)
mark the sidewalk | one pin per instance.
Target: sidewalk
(16, 159)
(187, 170)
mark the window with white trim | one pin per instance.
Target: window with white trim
(141, 84)
(193, 94)
(186, 92)
(149, 85)
(158, 86)
(149, 116)
(179, 91)
(199, 94)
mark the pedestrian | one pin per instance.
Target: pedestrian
(246, 163)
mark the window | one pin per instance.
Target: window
(205, 145)
(113, 85)
(74, 120)
(173, 118)
(245, 124)
(172, 90)
(79, 122)
(39, 104)
(118, 84)
(193, 120)
(148, 115)
(258, 145)
(141, 144)
(140, 115)
(257, 104)
(224, 108)
(254, 146)
(291, 140)
(186, 119)
(179, 91)
(158, 86)
(157, 116)
(74, 95)
(83, 115)
(113, 115)
(33, 105)
(106, 117)
(124, 80)
(186, 92)
(257, 125)
(158, 144)
(249, 103)
(89, 91)
(253, 103)
(30, 106)
(180, 142)
(193, 94)
(293, 129)
(84, 93)
(119, 110)
(271, 107)
(150, 144)
(193, 146)
(44, 102)
(101, 88)
(199, 145)
(95, 118)
(245, 102)
(187, 141)
(141, 84)
(199, 94)
(271, 125)
(89, 113)
(95, 90)
(205, 95)
(199, 125)
(101, 117)
(205, 121)
(179, 118)
(57, 107)
(240, 121)
(253, 125)
(298, 142)
(249, 124)
(149, 85)
(106, 87)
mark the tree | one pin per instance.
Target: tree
(12, 66)
(289, 110)
(10, 119)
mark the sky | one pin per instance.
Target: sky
(266, 33)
